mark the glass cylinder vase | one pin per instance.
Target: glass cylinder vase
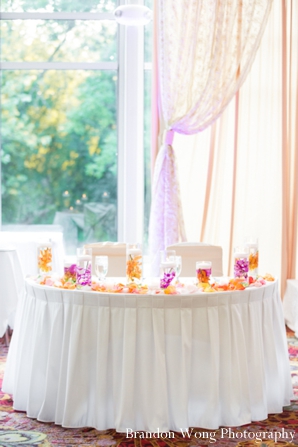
(45, 257)
(241, 263)
(134, 263)
(168, 268)
(253, 257)
(203, 271)
(84, 264)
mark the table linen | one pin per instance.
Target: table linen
(11, 285)
(149, 362)
(290, 305)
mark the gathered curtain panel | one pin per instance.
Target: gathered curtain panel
(289, 131)
(238, 178)
(204, 50)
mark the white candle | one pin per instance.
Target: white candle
(44, 245)
(203, 264)
(252, 246)
(134, 251)
(168, 264)
(241, 255)
(84, 258)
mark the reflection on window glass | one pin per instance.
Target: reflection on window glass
(148, 42)
(147, 154)
(148, 35)
(58, 41)
(147, 123)
(58, 5)
(59, 145)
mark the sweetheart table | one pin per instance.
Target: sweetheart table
(149, 362)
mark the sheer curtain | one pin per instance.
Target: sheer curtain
(237, 178)
(205, 51)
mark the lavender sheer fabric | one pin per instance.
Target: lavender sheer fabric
(206, 49)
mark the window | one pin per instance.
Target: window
(60, 117)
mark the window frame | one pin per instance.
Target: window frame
(130, 111)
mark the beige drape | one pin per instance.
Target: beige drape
(206, 49)
(239, 177)
(289, 16)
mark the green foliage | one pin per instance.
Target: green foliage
(58, 127)
(59, 5)
(58, 133)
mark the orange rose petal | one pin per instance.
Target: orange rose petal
(170, 290)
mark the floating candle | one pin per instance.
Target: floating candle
(84, 258)
(168, 264)
(240, 254)
(134, 251)
(203, 264)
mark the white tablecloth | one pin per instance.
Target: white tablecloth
(290, 305)
(149, 362)
(11, 286)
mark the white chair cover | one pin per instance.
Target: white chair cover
(192, 252)
(116, 252)
(26, 238)
(11, 285)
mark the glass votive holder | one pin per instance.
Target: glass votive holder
(101, 267)
(168, 268)
(203, 270)
(178, 266)
(241, 264)
(84, 264)
(70, 271)
(134, 263)
(45, 257)
(253, 257)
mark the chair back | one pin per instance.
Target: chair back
(191, 252)
(26, 238)
(116, 252)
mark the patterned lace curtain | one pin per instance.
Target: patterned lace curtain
(205, 51)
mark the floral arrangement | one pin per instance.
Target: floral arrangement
(167, 279)
(134, 268)
(68, 282)
(253, 260)
(84, 275)
(119, 288)
(203, 275)
(70, 272)
(241, 268)
(45, 259)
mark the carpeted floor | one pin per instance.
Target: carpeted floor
(278, 430)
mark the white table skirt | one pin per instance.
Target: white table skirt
(149, 362)
(290, 305)
(11, 286)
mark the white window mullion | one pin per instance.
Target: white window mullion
(130, 133)
(56, 16)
